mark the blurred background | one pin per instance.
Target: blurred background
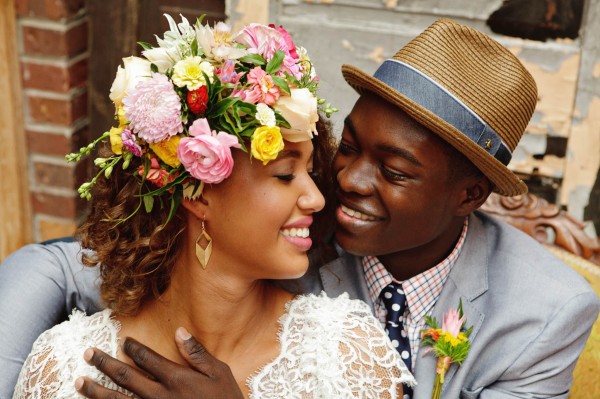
(58, 59)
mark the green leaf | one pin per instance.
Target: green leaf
(148, 203)
(153, 68)
(145, 45)
(282, 84)
(255, 59)
(219, 108)
(281, 121)
(175, 201)
(275, 63)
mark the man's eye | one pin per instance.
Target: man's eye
(392, 175)
(288, 177)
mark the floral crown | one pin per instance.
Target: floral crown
(184, 104)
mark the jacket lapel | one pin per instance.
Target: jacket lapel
(345, 274)
(468, 280)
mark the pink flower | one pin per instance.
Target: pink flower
(451, 323)
(156, 175)
(262, 40)
(227, 73)
(207, 155)
(154, 109)
(262, 88)
(291, 47)
(129, 143)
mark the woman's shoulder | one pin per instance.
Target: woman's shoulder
(323, 307)
(56, 358)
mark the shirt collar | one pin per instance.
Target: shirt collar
(422, 290)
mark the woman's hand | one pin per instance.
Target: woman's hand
(206, 377)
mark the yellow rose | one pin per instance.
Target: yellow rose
(166, 150)
(121, 116)
(116, 143)
(189, 73)
(266, 143)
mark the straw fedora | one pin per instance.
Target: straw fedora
(464, 87)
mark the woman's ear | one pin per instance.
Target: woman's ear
(475, 192)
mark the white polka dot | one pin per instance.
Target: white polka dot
(399, 291)
(407, 396)
(395, 307)
(403, 333)
(395, 343)
(386, 331)
(388, 295)
(404, 354)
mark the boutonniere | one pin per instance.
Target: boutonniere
(450, 344)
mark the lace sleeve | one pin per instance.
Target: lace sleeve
(39, 376)
(374, 368)
(56, 358)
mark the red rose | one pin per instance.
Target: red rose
(197, 100)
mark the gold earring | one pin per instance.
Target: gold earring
(203, 247)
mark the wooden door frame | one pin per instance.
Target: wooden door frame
(15, 205)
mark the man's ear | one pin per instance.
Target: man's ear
(475, 192)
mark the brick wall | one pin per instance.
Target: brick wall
(53, 53)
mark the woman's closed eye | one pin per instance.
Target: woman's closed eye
(286, 177)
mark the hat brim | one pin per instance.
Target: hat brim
(504, 180)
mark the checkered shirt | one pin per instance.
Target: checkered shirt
(422, 291)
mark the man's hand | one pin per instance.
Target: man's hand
(206, 377)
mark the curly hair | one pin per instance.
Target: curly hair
(136, 251)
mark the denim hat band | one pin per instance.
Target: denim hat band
(463, 86)
(435, 98)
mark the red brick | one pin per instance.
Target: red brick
(48, 42)
(54, 78)
(51, 9)
(60, 112)
(56, 144)
(54, 205)
(60, 176)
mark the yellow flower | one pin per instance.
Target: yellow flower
(121, 115)
(448, 337)
(166, 150)
(189, 72)
(266, 143)
(116, 143)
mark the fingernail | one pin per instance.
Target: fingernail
(183, 334)
(78, 383)
(88, 354)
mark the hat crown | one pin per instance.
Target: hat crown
(479, 71)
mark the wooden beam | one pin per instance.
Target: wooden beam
(15, 206)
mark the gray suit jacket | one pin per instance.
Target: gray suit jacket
(531, 315)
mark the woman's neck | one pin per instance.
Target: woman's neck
(236, 320)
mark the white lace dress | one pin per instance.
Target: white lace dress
(330, 348)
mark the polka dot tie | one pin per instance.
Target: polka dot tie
(395, 303)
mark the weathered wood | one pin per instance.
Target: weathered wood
(15, 208)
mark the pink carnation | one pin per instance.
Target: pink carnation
(207, 155)
(262, 88)
(153, 109)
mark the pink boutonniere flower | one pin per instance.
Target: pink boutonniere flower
(449, 344)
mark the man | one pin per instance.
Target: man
(427, 141)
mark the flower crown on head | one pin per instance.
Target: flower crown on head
(183, 105)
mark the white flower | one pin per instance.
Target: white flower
(178, 38)
(218, 43)
(300, 110)
(135, 69)
(265, 115)
(163, 58)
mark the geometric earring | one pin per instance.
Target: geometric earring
(203, 247)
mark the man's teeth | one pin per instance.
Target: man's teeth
(301, 232)
(356, 214)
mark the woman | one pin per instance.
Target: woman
(190, 229)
